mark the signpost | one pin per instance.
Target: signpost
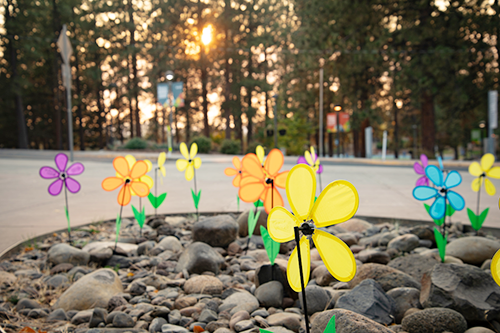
(492, 119)
(64, 45)
(164, 92)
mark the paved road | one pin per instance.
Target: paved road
(27, 210)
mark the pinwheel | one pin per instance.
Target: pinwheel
(237, 172)
(311, 159)
(156, 200)
(190, 163)
(261, 181)
(64, 179)
(495, 267)
(420, 170)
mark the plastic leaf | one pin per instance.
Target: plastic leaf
(495, 267)
(330, 327)
(139, 216)
(292, 271)
(477, 221)
(449, 210)
(437, 222)
(238, 202)
(67, 218)
(118, 225)
(441, 243)
(258, 203)
(196, 198)
(156, 201)
(252, 221)
(272, 247)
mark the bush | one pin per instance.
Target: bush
(136, 143)
(231, 147)
(204, 144)
(251, 147)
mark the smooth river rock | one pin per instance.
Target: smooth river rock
(473, 250)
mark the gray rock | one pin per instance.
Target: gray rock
(243, 222)
(371, 241)
(98, 316)
(464, 288)
(199, 257)
(317, 299)
(57, 281)
(57, 315)
(237, 317)
(127, 247)
(322, 276)
(356, 225)
(270, 294)
(37, 313)
(122, 319)
(207, 316)
(479, 330)
(346, 322)
(169, 328)
(136, 288)
(144, 248)
(386, 238)
(116, 330)
(115, 302)
(174, 317)
(243, 325)
(434, 320)
(203, 284)
(387, 277)
(27, 303)
(278, 329)
(168, 243)
(240, 300)
(404, 243)
(81, 317)
(473, 250)
(100, 255)
(286, 319)
(6, 279)
(405, 298)
(104, 284)
(119, 262)
(348, 237)
(64, 253)
(369, 299)
(373, 255)
(217, 231)
(414, 265)
(156, 325)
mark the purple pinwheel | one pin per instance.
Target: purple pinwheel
(63, 175)
(311, 159)
(420, 169)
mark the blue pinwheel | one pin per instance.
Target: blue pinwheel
(442, 193)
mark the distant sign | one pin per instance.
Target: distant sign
(475, 136)
(344, 122)
(493, 108)
(177, 91)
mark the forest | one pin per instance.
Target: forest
(420, 70)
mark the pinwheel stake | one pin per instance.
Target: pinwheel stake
(156, 200)
(190, 163)
(307, 229)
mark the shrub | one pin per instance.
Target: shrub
(251, 147)
(136, 143)
(204, 144)
(231, 147)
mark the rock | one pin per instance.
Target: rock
(64, 253)
(184, 302)
(270, 294)
(322, 276)
(61, 268)
(156, 325)
(122, 319)
(414, 265)
(317, 299)
(37, 313)
(169, 328)
(237, 317)
(405, 298)
(115, 302)
(222, 330)
(374, 256)
(369, 299)
(115, 330)
(386, 238)
(285, 319)
(356, 225)
(199, 257)
(346, 322)
(464, 288)
(243, 325)
(473, 250)
(57, 281)
(81, 317)
(434, 320)
(240, 300)
(118, 261)
(104, 284)
(387, 277)
(136, 288)
(348, 237)
(98, 316)
(6, 279)
(423, 232)
(479, 330)
(371, 241)
(144, 248)
(203, 284)
(243, 222)
(100, 255)
(207, 316)
(26, 303)
(217, 231)
(127, 247)
(404, 243)
(57, 315)
(169, 243)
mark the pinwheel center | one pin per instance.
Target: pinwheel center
(269, 181)
(307, 228)
(483, 174)
(239, 171)
(190, 160)
(63, 175)
(127, 180)
(443, 190)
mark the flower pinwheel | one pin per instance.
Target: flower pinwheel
(337, 203)
(145, 179)
(261, 181)
(441, 195)
(62, 175)
(483, 170)
(128, 178)
(420, 169)
(161, 164)
(495, 267)
(237, 171)
(189, 162)
(311, 159)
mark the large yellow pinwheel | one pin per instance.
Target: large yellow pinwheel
(145, 179)
(495, 267)
(483, 170)
(337, 203)
(189, 162)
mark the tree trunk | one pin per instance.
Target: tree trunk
(55, 78)
(364, 124)
(135, 92)
(428, 124)
(396, 132)
(227, 92)
(206, 126)
(79, 94)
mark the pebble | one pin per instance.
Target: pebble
(203, 284)
(404, 243)
(472, 250)
(434, 320)
(219, 230)
(270, 294)
(63, 253)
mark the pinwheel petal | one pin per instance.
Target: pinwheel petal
(301, 160)
(292, 270)
(163, 171)
(189, 174)
(138, 170)
(440, 161)
(75, 169)
(494, 172)
(184, 150)
(301, 190)
(424, 192)
(121, 166)
(260, 154)
(272, 199)
(61, 160)
(308, 157)
(181, 164)
(193, 151)
(419, 169)
(252, 166)
(230, 172)
(72, 185)
(48, 173)
(495, 267)
(147, 180)
(422, 181)
(250, 189)
(336, 255)
(438, 208)
(274, 162)
(477, 183)
(197, 163)
(237, 180)
(475, 169)
(453, 179)
(313, 154)
(280, 179)
(280, 224)
(112, 183)
(435, 175)
(236, 163)
(161, 159)
(337, 203)
(140, 188)
(124, 195)
(149, 164)
(456, 200)
(130, 160)
(487, 162)
(320, 169)
(424, 160)
(56, 187)
(489, 187)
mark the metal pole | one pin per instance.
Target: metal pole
(320, 143)
(170, 117)
(275, 116)
(70, 114)
(338, 135)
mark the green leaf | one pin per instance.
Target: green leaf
(477, 220)
(196, 198)
(483, 215)
(441, 243)
(330, 327)
(449, 210)
(139, 216)
(156, 201)
(438, 222)
(258, 203)
(252, 221)
(238, 201)
(272, 247)
(67, 218)
(118, 225)
(261, 330)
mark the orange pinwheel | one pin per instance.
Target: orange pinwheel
(236, 171)
(261, 181)
(129, 178)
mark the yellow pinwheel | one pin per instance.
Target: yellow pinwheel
(495, 267)
(259, 151)
(161, 164)
(483, 170)
(337, 203)
(189, 162)
(145, 179)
